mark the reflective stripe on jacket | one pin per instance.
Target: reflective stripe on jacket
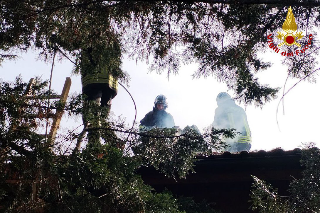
(245, 137)
(104, 78)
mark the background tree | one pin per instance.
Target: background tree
(223, 37)
(304, 193)
(102, 177)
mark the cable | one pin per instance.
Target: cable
(135, 133)
(291, 89)
(65, 55)
(50, 82)
(135, 108)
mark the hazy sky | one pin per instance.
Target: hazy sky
(192, 101)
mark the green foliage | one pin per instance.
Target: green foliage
(164, 202)
(174, 154)
(190, 206)
(100, 59)
(20, 116)
(304, 192)
(266, 199)
(103, 180)
(224, 39)
(102, 176)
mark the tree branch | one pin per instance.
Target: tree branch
(278, 2)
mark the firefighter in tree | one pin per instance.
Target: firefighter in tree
(228, 115)
(99, 68)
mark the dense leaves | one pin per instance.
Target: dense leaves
(266, 199)
(224, 39)
(304, 192)
(99, 176)
(174, 153)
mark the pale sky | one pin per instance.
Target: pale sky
(192, 101)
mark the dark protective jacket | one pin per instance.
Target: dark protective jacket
(156, 118)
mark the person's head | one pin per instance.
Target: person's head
(222, 97)
(160, 103)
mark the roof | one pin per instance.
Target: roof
(226, 180)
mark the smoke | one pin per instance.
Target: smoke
(228, 115)
(163, 119)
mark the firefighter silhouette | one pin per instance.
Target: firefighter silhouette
(99, 68)
(228, 115)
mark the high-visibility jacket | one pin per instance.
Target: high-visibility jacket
(98, 63)
(228, 115)
(103, 77)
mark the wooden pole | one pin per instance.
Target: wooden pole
(59, 112)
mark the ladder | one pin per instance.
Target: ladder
(59, 112)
